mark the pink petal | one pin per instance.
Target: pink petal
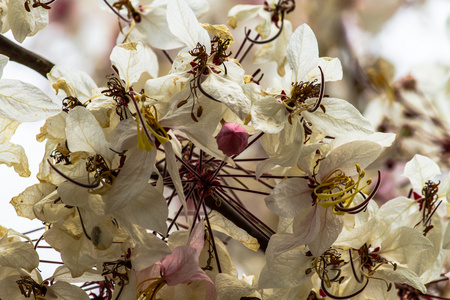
(151, 272)
(180, 265)
(197, 237)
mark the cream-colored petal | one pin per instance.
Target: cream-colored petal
(222, 224)
(85, 134)
(184, 24)
(23, 102)
(14, 155)
(302, 52)
(24, 202)
(419, 170)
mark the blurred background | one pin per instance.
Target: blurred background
(395, 55)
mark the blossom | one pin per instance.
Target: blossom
(150, 25)
(201, 66)
(23, 18)
(179, 267)
(272, 11)
(314, 203)
(379, 261)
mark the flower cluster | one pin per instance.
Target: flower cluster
(141, 179)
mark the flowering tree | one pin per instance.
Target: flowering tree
(142, 179)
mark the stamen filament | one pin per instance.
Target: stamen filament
(322, 89)
(270, 39)
(150, 292)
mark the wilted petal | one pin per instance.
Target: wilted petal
(51, 211)
(7, 129)
(17, 254)
(14, 155)
(79, 80)
(221, 224)
(24, 202)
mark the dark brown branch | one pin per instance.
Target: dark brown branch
(228, 212)
(25, 57)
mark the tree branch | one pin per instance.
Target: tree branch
(25, 57)
(228, 212)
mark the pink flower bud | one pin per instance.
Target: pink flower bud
(232, 139)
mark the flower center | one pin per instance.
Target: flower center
(28, 287)
(370, 262)
(117, 91)
(338, 188)
(302, 91)
(428, 204)
(330, 260)
(202, 65)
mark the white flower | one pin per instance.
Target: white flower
(267, 11)
(378, 261)
(314, 203)
(22, 18)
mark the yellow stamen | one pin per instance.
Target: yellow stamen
(150, 292)
(153, 125)
(143, 142)
(344, 184)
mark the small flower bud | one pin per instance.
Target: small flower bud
(232, 139)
